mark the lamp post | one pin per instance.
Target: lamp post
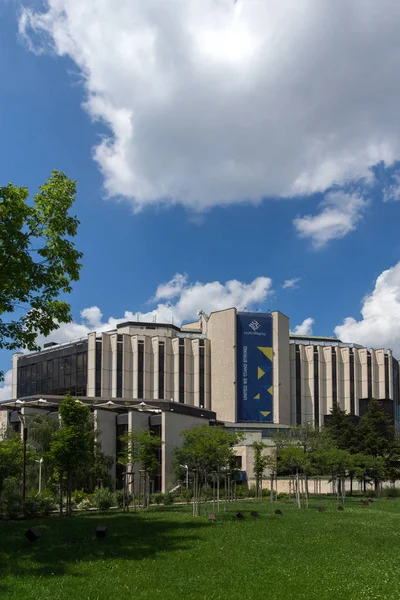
(187, 475)
(40, 461)
(24, 439)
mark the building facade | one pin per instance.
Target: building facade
(245, 367)
(244, 370)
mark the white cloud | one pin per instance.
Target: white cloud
(392, 191)
(379, 326)
(339, 214)
(291, 283)
(171, 289)
(214, 101)
(189, 299)
(305, 328)
(6, 386)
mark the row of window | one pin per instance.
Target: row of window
(58, 375)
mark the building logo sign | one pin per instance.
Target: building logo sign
(254, 367)
(254, 325)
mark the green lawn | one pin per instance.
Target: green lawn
(166, 554)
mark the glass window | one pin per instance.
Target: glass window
(140, 368)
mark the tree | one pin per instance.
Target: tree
(11, 456)
(260, 463)
(141, 447)
(207, 451)
(341, 428)
(70, 447)
(38, 260)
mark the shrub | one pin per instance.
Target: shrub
(157, 498)
(252, 491)
(282, 496)
(31, 507)
(78, 496)
(266, 493)
(168, 499)
(391, 492)
(47, 504)
(119, 496)
(85, 504)
(13, 509)
(370, 494)
(103, 498)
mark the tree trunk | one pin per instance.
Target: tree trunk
(298, 500)
(343, 489)
(61, 497)
(351, 484)
(306, 488)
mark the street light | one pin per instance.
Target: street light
(40, 461)
(22, 419)
(187, 475)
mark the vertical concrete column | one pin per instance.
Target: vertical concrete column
(134, 345)
(155, 341)
(196, 372)
(188, 371)
(114, 345)
(378, 375)
(344, 379)
(148, 368)
(106, 366)
(175, 354)
(127, 367)
(307, 384)
(207, 375)
(91, 365)
(375, 374)
(340, 377)
(15, 375)
(169, 370)
(292, 355)
(357, 380)
(362, 353)
(281, 368)
(328, 373)
(390, 357)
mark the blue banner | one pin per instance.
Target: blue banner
(254, 367)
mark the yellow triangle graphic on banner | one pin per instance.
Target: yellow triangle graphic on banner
(257, 397)
(271, 390)
(265, 413)
(268, 352)
(260, 372)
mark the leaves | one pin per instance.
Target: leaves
(38, 260)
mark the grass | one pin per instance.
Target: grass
(166, 554)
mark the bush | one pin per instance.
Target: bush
(119, 496)
(370, 494)
(47, 504)
(78, 496)
(168, 499)
(85, 504)
(13, 509)
(252, 491)
(32, 507)
(266, 493)
(157, 498)
(103, 498)
(282, 496)
(391, 492)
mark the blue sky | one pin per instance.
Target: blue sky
(212, 169)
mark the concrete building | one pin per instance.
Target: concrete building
(243, 369)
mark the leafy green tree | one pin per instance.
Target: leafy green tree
(206, 451)
(341, 428)
(38, 260)
(70, 447)
(11, 457)
(140, 447)
(260, 463)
